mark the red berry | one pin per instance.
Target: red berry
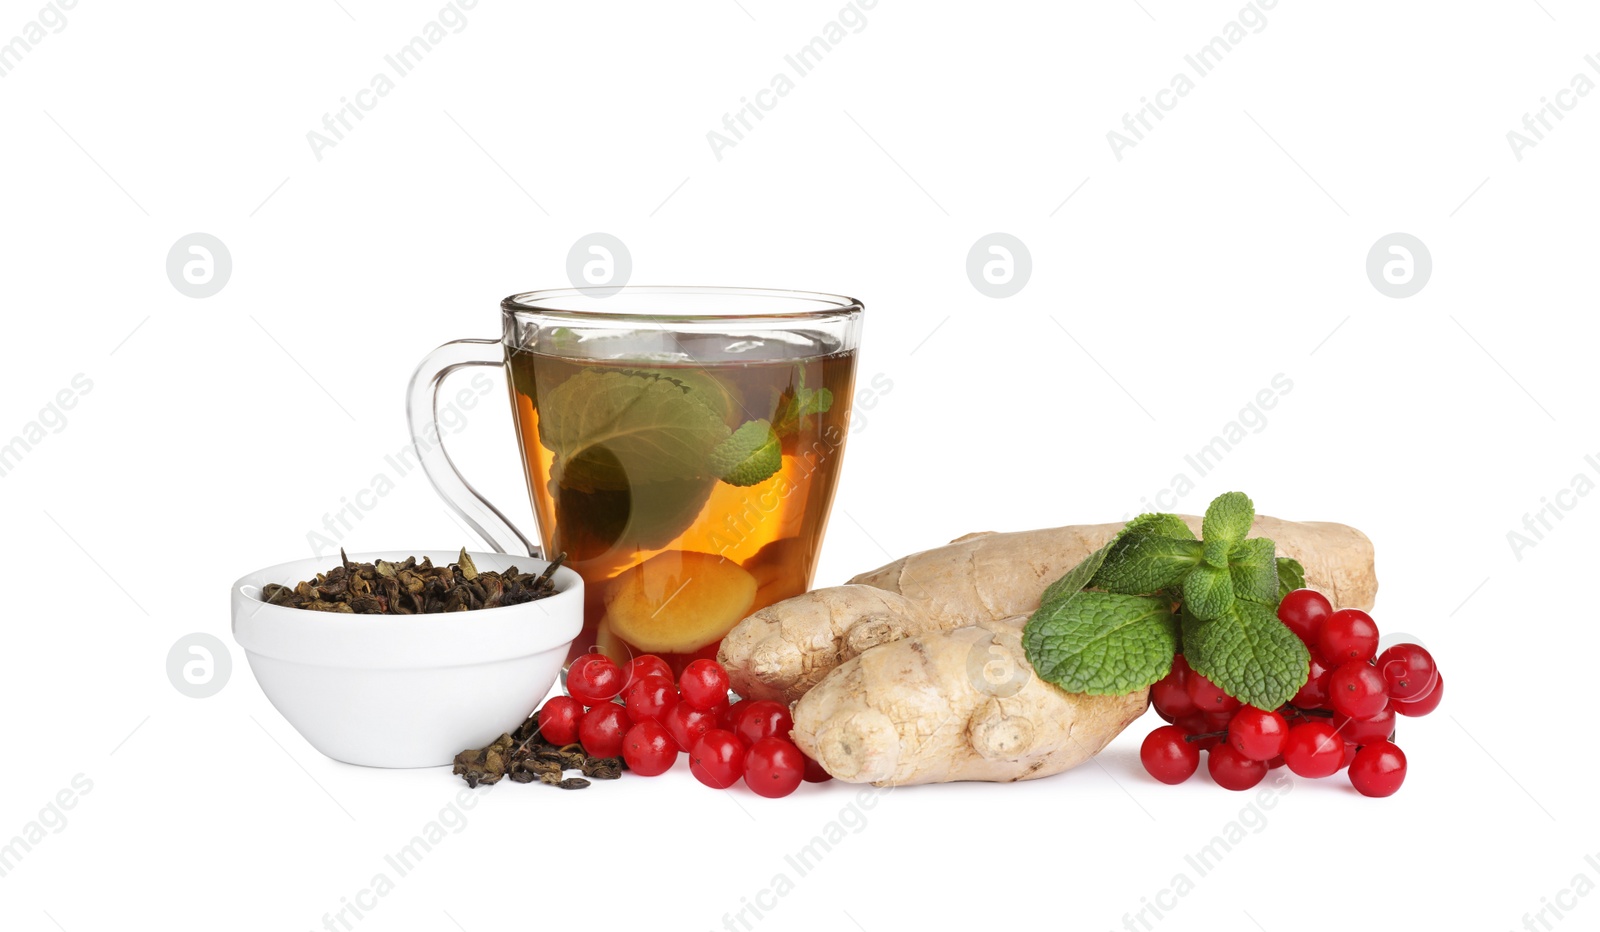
(1276, 762)
(1350, 749)
(558, 720)
(1313, 750)
(1378, 769)
(1232, 770)
(1208, 696)
(815, 772)
(1365, 730)
(773, 767)
(583, 660)
(1167, 756)
(704, 684)
(717, 759)
(1416, 707)
(1257, 734)
(1356, 689)
(642, 666)
(686, 723)
(1314, 694)
(602, 729)
(650, 699)
(762, 719)
(594, 679)
(648, 749)
(1304, 611)
(730, 714)
(1348, 634)
(1409, 671)
(1170, 694)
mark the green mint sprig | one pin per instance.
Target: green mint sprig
(755, 451)
(1102, 642)
(798, 403)
(613, 430)
(1114, 622)
(750, 455)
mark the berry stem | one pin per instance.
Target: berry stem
(1210, 734)
(1310, 713)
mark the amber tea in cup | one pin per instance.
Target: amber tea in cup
(681, 446)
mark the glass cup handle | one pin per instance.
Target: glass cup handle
(422, 414)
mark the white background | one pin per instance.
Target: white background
(1226, 248)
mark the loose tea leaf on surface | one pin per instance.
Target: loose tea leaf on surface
(410, 587)
(525, 757)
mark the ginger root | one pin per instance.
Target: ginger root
(953, 705)
(782, 651)
(992, 575)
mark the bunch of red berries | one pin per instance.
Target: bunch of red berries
(1343, 717)
(638, 712)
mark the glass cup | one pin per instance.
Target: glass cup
(681, 447)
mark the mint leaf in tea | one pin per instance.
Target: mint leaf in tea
(611, 430)
(750, 455)
(687, 495)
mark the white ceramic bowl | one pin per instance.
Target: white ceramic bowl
(405, 690)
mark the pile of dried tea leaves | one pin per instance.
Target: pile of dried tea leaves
(525, 757)
(412, 588)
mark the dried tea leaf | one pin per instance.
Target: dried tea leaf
(411, 587)
(524, 757)
(607, 768)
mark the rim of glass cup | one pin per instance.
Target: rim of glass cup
(631, 302)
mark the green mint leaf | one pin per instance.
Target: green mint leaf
(1076, 578)
(612, 431)
(1161, 525)
(1079, 576)
(813, 401)
(750, 455)
(1254, 568)
(1208, 592)
(1248, 652)
(612, 524)
(1102, 643)
(698, 383)
(798, 403)
(1228, 517)
(1186, 623)
(1291, 576)
(1140, 563)
(1217, 552)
